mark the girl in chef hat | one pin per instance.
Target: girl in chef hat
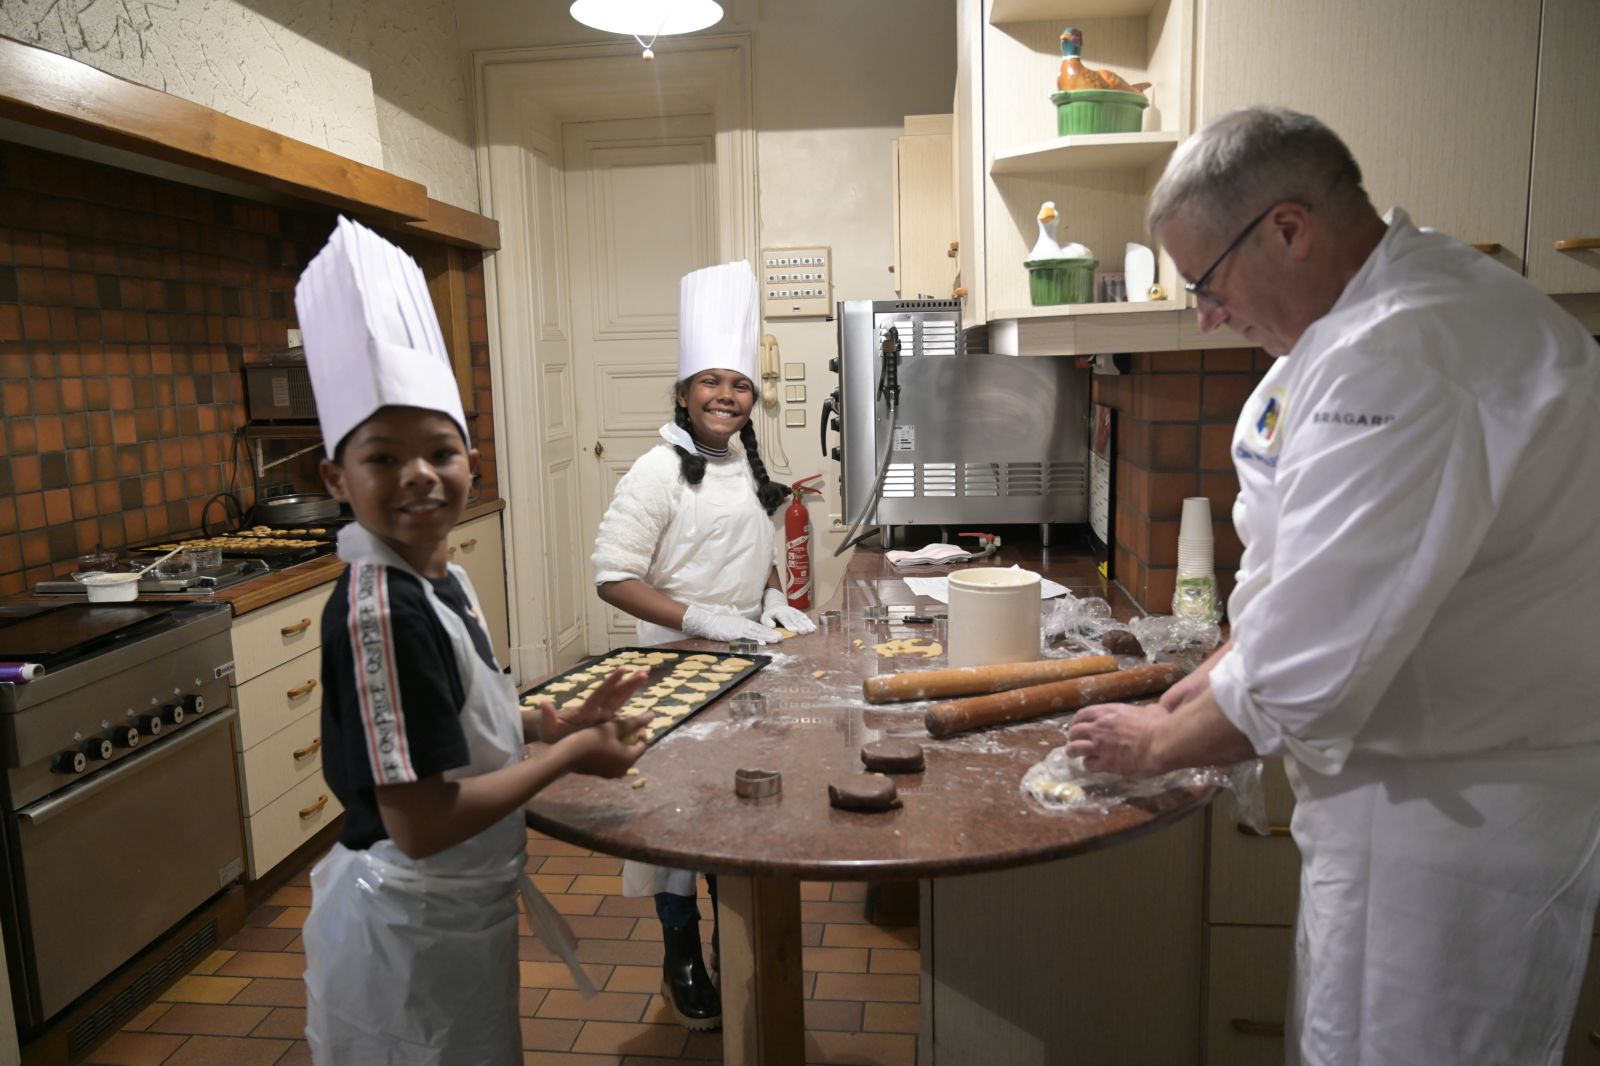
(411, 943)
(687, 548)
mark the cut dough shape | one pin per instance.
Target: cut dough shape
(893, 756)
(864, 792)
(639, 782)
(581, 675)
(736, 663)
(694, 699)
(701, 658)
(575, 702)
(721, 679)
(661, 721)
(642, 701)
(819, 673)
(859, 643)
(891, 649)
(673, 710)
(705, 686)
(560, 686)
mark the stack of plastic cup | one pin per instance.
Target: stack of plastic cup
(1195, 595)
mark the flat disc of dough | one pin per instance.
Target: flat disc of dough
(893, 756)
(863, 792)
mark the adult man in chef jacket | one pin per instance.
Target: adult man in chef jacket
(1410, 627)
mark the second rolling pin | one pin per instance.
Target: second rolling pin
(1020, 704)
(969, 680)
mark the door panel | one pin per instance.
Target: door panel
(641, 212)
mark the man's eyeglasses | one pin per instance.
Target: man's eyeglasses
(1197, 287)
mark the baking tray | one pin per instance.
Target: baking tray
(658, 673)
(250, 545)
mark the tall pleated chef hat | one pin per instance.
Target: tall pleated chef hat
(371, 336)
(719, 320)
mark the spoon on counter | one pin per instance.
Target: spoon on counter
(147, 567)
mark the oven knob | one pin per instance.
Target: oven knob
(70, 762)
(124, 736)
(150, 725)
(98, 748)
(172, 714)
(195, 704)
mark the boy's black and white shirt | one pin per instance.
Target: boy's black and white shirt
(393, 690)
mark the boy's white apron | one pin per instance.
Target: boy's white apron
(413, 962)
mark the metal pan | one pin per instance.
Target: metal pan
(308, 508)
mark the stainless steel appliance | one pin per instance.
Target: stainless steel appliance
(121, 806)
(973, 437)
(279, 389)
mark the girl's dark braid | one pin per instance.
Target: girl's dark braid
(691, 464)
(769, 492)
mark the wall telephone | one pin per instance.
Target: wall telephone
(769, 372)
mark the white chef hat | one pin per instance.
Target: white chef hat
(372, 339)
(719, 320)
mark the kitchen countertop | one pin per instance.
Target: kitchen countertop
(963, 814)
(279, 585)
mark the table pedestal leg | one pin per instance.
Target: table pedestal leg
(763, 1012)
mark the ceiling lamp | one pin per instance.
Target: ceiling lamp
(647, 18)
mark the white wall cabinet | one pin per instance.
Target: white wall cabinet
(478, 546)
(925, 231)
(1441, 124)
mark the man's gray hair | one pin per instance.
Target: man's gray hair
(1244, 161)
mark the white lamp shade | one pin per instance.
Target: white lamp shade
(647, 18)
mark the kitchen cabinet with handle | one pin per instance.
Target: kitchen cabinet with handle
(478, 546)
(925, 240)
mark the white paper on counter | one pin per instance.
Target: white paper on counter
(938, 588)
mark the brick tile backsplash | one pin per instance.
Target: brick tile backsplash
(128, 306)
(1175, 417)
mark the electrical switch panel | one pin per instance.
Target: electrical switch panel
(796, 282)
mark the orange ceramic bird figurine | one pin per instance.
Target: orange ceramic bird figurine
(1074, 75)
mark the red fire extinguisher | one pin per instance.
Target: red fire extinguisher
(797, 545)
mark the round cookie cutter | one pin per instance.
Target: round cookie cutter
(876, 612)
(757, 784)
(828, 621)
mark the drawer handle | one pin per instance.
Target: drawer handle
(309, 750)
(299, 627)
(468, 545)
(1488, 247)
(1250, 1028)
(1272, 831)
(1577, 244)
(315, 809)
(302, 690)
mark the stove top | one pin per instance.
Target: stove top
(61, 636)
(231, 572)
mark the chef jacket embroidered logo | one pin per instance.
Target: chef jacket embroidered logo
(1261, 438)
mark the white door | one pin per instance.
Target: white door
(641, 212)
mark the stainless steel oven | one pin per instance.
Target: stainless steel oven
(121, 813)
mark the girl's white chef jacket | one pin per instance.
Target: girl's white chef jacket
(1420, 508)
(709, 544)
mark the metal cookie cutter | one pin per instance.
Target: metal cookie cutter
(743, 647)
(757, 784)
(876, 612)
(747, 704)
(828, 621)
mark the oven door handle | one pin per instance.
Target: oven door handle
(61, 802)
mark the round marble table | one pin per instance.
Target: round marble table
(963, 814)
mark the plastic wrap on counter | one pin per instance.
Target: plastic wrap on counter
(1084, 627)
(1061, 783)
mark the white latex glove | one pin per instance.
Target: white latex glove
(775, 611)
(726, 628)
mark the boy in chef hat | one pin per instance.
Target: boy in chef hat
(411, 944)
(687, 548)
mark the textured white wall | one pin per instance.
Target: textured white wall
(380, 84)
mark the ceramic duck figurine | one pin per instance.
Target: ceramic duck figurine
(1074, 75)
(1047, 247)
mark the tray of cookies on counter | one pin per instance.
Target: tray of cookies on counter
(680, 683)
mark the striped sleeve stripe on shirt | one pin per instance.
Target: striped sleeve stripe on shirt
(377, 690)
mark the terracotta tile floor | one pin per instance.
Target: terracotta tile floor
(245, 1004)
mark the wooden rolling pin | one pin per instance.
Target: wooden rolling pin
(1058, 697)
(968, 680)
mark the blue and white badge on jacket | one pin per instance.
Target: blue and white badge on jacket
(1262, 434)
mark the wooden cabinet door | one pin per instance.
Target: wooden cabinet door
(971, 167)
(1565, 201)
(1248, 972)
(1434, 97)
(925, 225)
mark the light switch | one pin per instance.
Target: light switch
(799, 283)
(794, 416)
(794, 394)
(794, 371)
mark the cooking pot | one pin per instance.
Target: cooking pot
(296, 510)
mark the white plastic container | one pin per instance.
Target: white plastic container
(994, 616)
(110, 588)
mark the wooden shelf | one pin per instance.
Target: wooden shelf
(1121, 307)
(41, 89)
(1096, 151)
(1002, 11)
